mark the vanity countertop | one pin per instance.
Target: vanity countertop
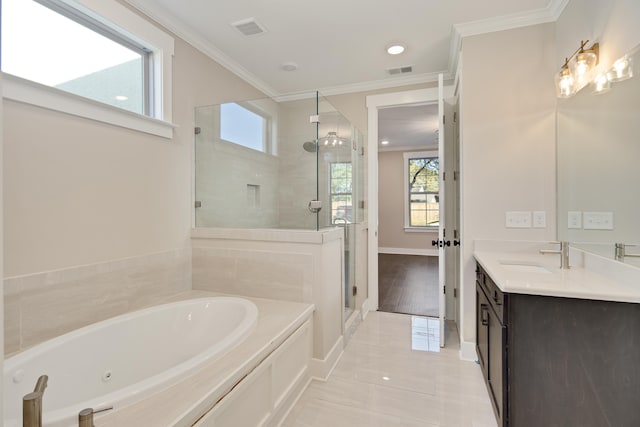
(518, 267)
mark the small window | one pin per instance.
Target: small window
(422, 185)
(244, 127)
(48, 42)
(340, 181)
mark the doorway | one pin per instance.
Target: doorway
(408, 209)
(375, 104)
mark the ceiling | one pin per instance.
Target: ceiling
(339, 46)
(408, 128)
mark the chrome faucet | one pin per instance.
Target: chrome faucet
(32, 404)
(621, 252)
(564, 254)
(85, 417)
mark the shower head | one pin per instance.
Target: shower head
(310, 146)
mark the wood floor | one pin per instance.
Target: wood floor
(408, 284)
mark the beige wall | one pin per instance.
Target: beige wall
(391, 233)
(80, 192)
(508, 142)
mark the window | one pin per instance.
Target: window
(421, 184)
(340, 192)
(86, 50)
(244, 127)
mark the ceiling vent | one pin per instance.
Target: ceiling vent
(399, 70)
(249, 27)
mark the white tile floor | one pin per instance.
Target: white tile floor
(380, 381)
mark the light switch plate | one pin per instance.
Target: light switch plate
(598, 220)
(539, 219)
(518, 219)
(574, 219)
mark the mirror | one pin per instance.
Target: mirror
(598, 139)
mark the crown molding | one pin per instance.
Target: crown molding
(203, 45)
(550, 13)
(384, 83)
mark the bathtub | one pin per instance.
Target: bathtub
(123, 360)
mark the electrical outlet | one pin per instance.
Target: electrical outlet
(598, 220)
(518, 219)
(539, 219)
(574, 219)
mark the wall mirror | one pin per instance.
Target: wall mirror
(598, 140)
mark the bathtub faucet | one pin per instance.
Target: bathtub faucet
(85, 417)
(32, 404)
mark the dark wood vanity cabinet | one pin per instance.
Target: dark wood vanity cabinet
(491, 333)
(555, 361)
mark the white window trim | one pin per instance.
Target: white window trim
(406, 156)
(136, 28)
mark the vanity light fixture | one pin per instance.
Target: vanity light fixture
(577, 70)
(621, 70)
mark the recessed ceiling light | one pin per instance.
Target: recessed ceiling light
(395, 49)
(289, 66)
(121, 97)
(384, 142)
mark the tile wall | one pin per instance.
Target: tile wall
(45, 305)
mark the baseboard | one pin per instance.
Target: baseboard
(408, 251)
(365, 308)
(468, 351)
(320, 369)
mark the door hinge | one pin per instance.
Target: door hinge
(456, 174)
(355, 291)
(443, 119)
(455, 292)
(455, 233)
(455, 117)
(197, 204)
(197, 130)
(444, 233)
(444, 289)
(444, 174)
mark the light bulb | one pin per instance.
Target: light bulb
(601, 83)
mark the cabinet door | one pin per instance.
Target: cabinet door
(497, 335)
(482, 329)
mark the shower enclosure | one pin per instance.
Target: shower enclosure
(281, 164)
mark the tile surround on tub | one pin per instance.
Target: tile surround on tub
(43, 305)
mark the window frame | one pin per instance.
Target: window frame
(267, 127)
(110, 19)
(407, 156)
(332, 194)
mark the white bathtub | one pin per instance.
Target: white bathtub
(125, 359)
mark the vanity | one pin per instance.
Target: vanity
(557, 347)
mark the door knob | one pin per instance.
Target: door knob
(447, 242)
(434, 243)
(456, 243)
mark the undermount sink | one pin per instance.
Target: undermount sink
(524, 267)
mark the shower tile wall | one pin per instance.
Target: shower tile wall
(48, 304)
(297, 168)
(237, 186)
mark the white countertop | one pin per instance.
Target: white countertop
(518, 267)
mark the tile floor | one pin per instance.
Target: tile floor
(380, 381)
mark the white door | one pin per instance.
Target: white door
(441, 222)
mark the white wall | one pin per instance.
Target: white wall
(508, 143)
